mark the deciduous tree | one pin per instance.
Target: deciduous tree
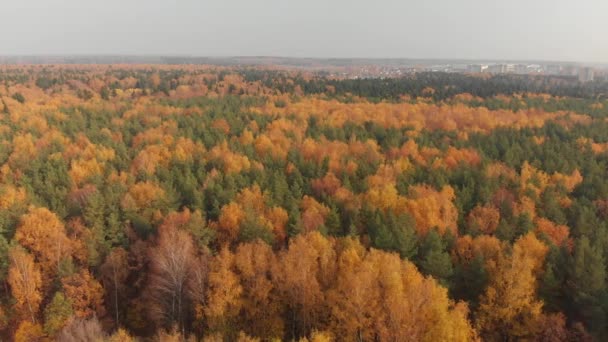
(25, 281)
(171, 262)
(43, 234)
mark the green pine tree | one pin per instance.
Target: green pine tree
(56, 314)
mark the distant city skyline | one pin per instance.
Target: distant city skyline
(518, 30)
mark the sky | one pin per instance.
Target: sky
(558, 30)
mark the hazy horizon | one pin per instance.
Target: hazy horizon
(267, 60)
(437, 29)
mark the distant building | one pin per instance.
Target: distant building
(497, 68)
(509, 68)
(553, 69)
(477, 68)
(459, 68)
(585, 74)
(522, 69)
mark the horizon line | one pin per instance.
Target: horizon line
(358, 58)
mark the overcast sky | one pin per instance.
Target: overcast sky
(566, 30)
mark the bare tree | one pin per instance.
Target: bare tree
(171, 264)
(114, 273)
(80, 330)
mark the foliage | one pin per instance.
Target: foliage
(243, 203)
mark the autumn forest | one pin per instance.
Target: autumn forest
(210, 203)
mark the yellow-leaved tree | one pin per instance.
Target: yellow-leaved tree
(509, 308)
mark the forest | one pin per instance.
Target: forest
(209, 203)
